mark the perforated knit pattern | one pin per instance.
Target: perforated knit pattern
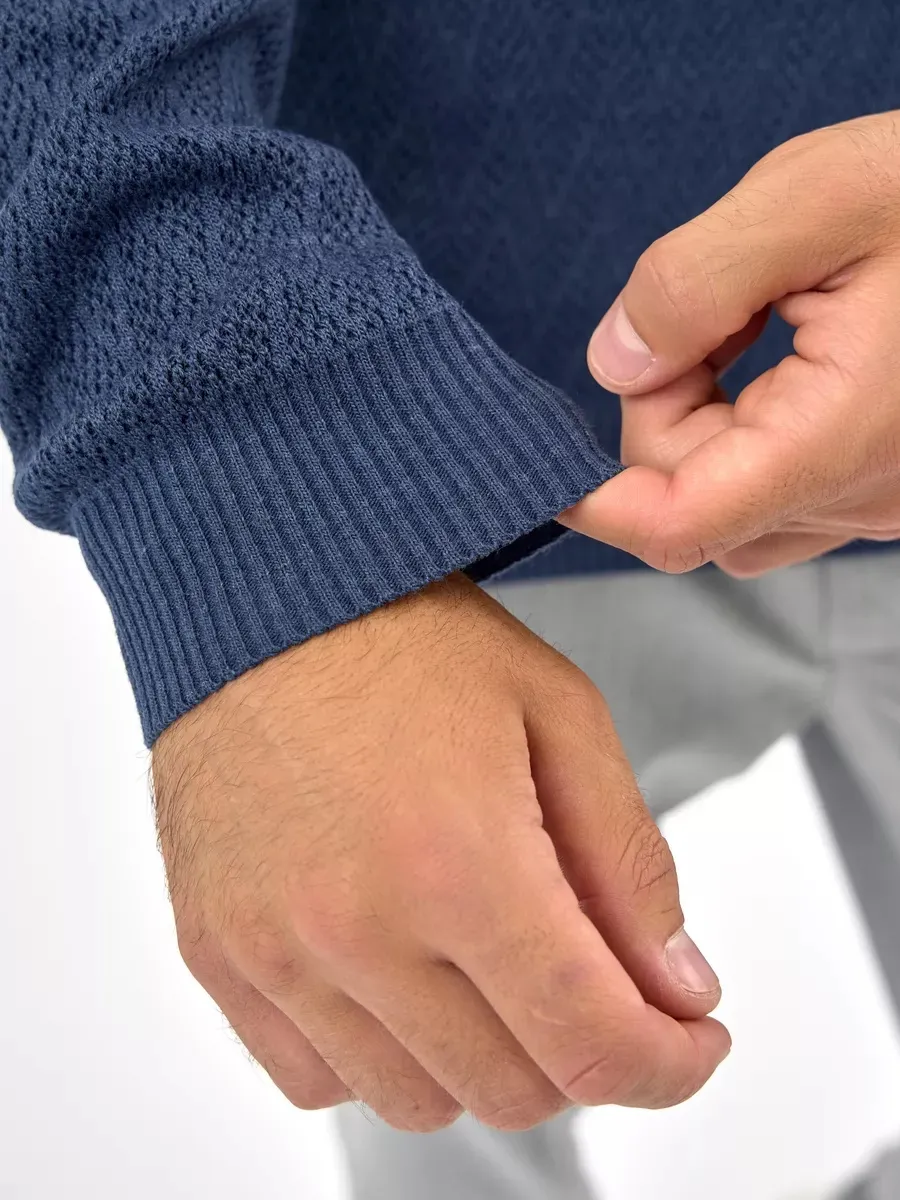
(220, 367)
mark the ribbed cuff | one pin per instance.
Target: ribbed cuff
(246, 530)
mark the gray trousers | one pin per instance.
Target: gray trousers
(702, 674)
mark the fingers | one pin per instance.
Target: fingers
(414, 1040)
(659, 430)
(792, 443)
(724, 357)
(719, 497)
(612, 852)
(873, 513)
(273, 1040)
(542, 965)
(439, 1016)
(373, 1066)
(787, 226)
(776, 550)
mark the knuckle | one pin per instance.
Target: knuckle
(655, 554)
(607, 1078)
(570, 685)
(789, 151)
(266, 958)
(680, 559)
(519, 1113)
(311, 1095)
(654, 868)
(666, 270)
(647, 854)
(583, 703)
(424, 1119)
(674, 552)
(441, 1118)
(674, 1094)
(332, 924)
(198, 954)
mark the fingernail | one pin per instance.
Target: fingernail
(689, 966)
(616, 352)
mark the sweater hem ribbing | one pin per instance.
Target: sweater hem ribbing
(282, 515)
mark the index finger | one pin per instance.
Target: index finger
(772, 463)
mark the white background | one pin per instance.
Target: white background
(119, 1080)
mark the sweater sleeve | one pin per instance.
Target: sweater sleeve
(220, 368)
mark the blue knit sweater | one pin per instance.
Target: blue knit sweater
(294, 296)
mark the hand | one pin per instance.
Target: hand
(376, 846)
(809, 455)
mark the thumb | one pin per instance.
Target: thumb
(612, 852)
(702, 284)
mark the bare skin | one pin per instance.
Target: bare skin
(409, 861)
(808, 457)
